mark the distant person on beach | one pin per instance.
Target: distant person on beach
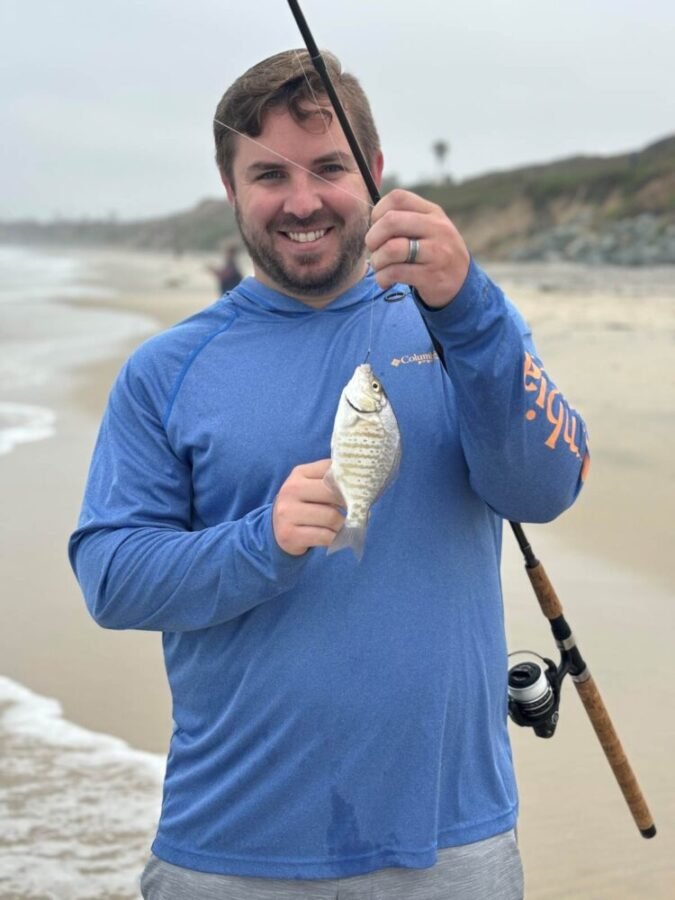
(340, 727)
(227, 273)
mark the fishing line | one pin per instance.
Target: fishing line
(370, 330)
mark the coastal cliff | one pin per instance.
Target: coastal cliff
(618, 209)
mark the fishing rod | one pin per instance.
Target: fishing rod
(534, 693)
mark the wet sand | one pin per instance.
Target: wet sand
(610, 348)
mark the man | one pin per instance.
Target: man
(340, 727)
(227, 273)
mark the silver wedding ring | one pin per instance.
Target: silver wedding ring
(413, 250)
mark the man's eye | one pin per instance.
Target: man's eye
(332, 168)
(270, 175)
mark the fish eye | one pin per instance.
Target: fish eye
(375, 386)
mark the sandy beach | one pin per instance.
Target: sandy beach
(606, 335)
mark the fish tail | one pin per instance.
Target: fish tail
(352, 535)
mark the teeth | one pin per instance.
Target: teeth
(303, 236)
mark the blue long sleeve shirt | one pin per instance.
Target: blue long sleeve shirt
(330, 717)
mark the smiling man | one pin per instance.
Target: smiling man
(304, 223)
(339, 726)
(303, 212)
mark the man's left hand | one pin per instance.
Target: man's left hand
(442, 260)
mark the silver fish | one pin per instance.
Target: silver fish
(365, 454)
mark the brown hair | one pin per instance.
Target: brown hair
(289, 80)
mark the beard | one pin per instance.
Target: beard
(303, 277)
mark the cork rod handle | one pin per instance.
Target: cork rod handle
(591, 699)
(610, 743)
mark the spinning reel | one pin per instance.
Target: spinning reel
(534, 692)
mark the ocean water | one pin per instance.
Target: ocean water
(43, 338)
(78, 809)
(28, 274)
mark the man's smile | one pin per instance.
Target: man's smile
(308, 237)
(304, 237)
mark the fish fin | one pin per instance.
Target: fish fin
(349, 535)
(329, 481)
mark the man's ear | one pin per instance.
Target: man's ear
(229, 188)
(377, 168)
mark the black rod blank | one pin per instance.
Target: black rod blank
(320, 66)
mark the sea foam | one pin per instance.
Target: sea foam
(77, 809)
(30, 275)
(42, 340)
(21, 423)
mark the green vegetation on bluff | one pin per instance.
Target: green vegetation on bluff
(597, 180)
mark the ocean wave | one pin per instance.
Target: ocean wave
(77, 809)
(42, 343)
(21, 423)
(37, 275)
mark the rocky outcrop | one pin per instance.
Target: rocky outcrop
(643, 240)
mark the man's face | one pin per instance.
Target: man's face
(302, 207)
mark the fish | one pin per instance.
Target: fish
(365, 454)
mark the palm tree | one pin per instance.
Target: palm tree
(440, 150)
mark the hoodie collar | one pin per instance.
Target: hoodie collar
(252, 290)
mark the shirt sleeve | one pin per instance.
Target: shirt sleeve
(525, 446)
(138, 562)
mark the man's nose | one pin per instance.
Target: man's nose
(304, 196)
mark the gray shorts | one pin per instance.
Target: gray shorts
(486, 870)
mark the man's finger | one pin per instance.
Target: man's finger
(393, 253)
(311, 536)
(316, 469)
(320, 516)
(401, 200)
(313, 490)
(399, 224)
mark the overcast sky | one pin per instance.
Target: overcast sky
(106, 107)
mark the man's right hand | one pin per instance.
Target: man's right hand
(306, 511)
